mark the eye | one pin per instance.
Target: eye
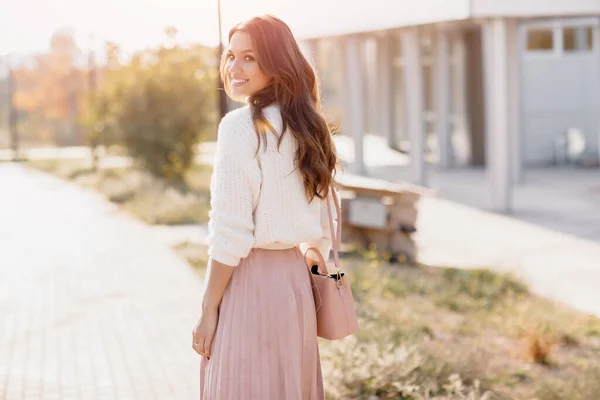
(249, 58)
(230, 57)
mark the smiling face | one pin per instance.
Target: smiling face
(244, 76)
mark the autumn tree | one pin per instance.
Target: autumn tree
(49, 89)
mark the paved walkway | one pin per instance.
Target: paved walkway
(92, 306)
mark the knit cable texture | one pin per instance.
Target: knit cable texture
(260, 200)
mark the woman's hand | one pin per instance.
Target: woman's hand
(204, 332)
(218, 276)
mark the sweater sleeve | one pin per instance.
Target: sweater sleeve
(324, 243)
(234, 188)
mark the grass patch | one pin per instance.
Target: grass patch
(585, 386)
(66, 169)
(195, 254)
(474, 326)
(147, 198)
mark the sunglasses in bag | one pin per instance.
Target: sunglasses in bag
(334, 303)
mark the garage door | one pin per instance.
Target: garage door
(560, 76)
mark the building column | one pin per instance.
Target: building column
(460, 124)
(370, 82)
(497, 126)
(354, 121)
(414, 100)
(596, 49)
(386, 85)
(442, 98)
(515, 49)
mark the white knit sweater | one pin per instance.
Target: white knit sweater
(259, 201)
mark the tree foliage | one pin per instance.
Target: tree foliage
(49, 88)
(158, 105)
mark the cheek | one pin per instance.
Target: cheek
(260, 79)
(252, 71)
(227, 68)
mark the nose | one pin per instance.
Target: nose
(234, 67)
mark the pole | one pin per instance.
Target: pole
(12, 116)
(93, 135)
(220, 87)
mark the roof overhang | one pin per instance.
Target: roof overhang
(311, 19)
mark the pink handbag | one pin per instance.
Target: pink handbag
(334, 303)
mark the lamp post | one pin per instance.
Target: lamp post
(220, 88)
(92, 84)
(5, 86)
(12, 111)
(12, 115)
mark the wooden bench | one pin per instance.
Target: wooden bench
(381, 213)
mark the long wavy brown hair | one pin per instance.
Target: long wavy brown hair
(294, 87)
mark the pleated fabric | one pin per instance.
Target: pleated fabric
(265, 346)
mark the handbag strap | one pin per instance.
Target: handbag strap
(336, 237)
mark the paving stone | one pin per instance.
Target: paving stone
(92, 305)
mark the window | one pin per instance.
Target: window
(540, 39)
(577, 38)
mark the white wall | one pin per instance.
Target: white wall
(318, 18)
(559, 91)
(526, 8)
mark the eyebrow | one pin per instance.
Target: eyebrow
(242, 52)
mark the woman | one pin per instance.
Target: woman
(273, 170)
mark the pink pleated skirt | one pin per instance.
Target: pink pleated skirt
(265, 346)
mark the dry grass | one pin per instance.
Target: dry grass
(483, 326)
(537, 347)
(66, 169)
(585, 386)
(143, 196)
(195, 254)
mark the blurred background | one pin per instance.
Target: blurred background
(469, 132)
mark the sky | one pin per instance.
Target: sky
(27, 25)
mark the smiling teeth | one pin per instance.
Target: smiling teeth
(239, 81)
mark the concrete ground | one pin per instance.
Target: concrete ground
(92, 306)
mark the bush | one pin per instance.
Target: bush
(159, 106)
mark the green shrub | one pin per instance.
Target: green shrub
(158, 106)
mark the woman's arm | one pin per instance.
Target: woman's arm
(217, 278)
(234, 189)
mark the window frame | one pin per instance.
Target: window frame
(558, 25)
(585, 51)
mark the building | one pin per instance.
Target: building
(460, 82)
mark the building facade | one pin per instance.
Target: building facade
(505, 84)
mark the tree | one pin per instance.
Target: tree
(49, 89)
(159, 105)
